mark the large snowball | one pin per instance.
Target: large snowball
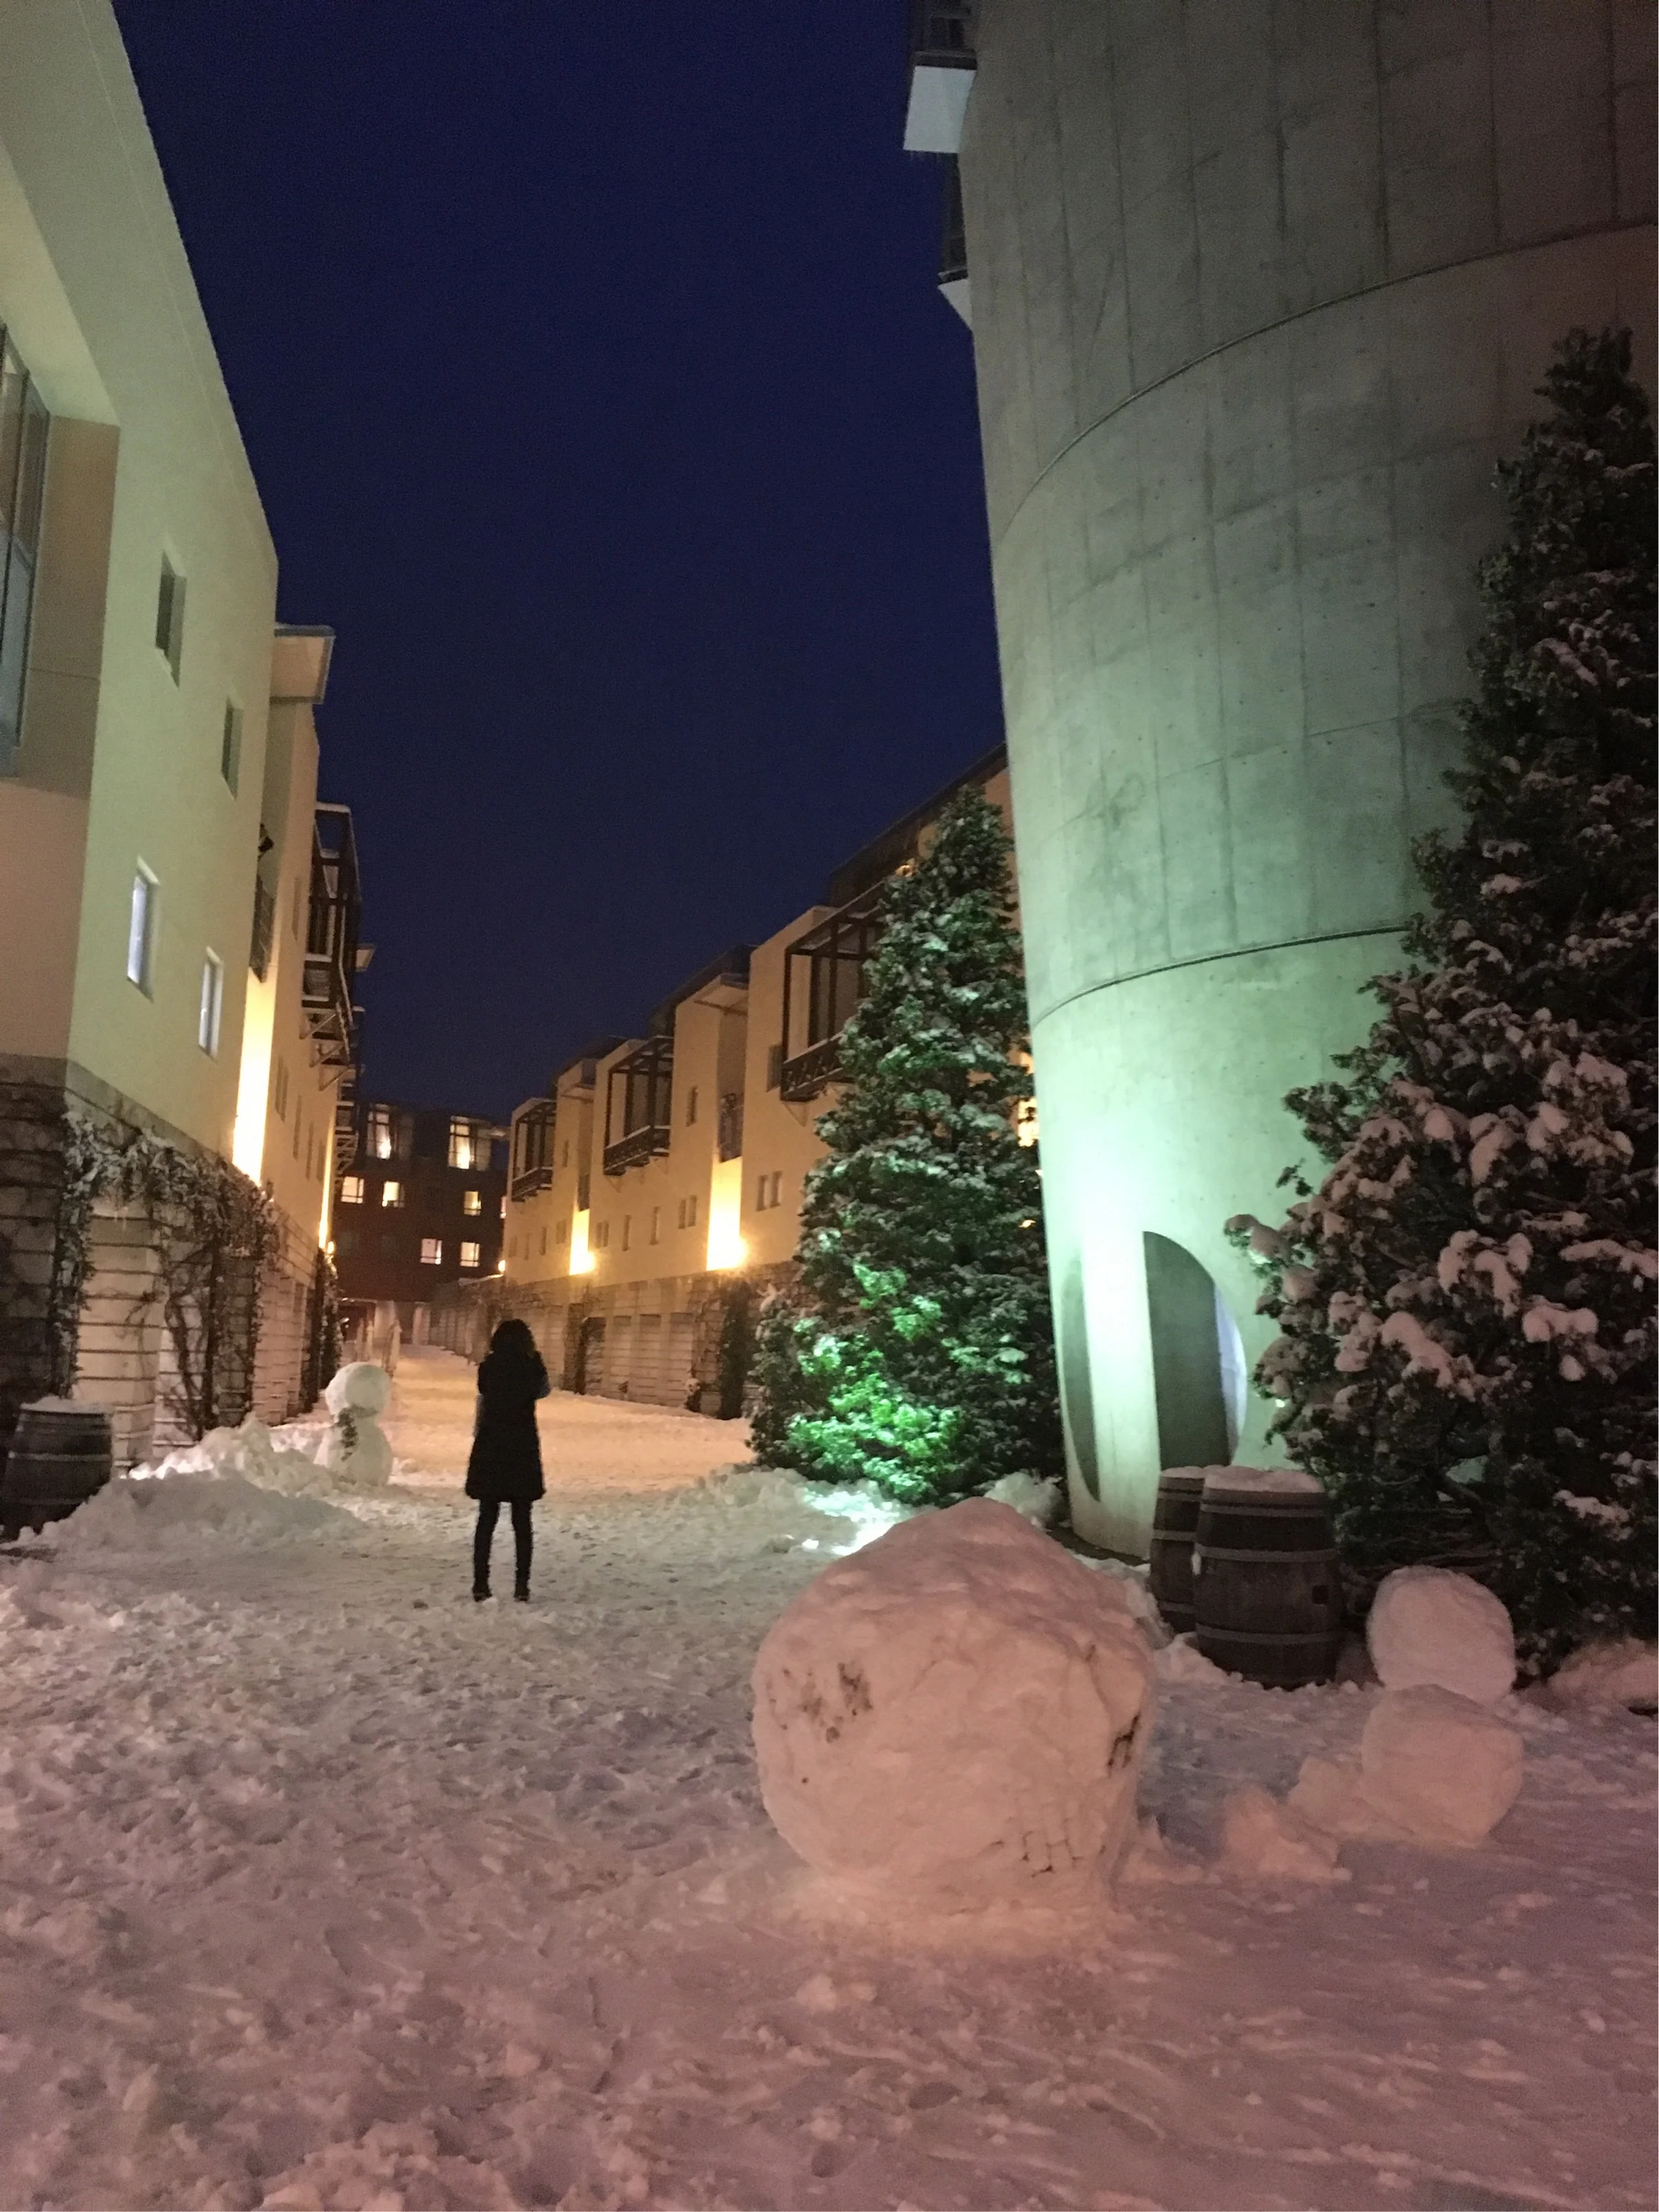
(1429, 1626)
(957, 1712)
(363, 1386)
(1443, 1766)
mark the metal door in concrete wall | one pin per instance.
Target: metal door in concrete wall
(679, 1352)
(645, 1381)
(618, 1355)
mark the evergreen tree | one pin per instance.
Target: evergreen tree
(916, 1351)
(1467, 1300)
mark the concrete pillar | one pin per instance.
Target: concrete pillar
(1260, 292)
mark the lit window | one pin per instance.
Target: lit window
(213, 1005)
(140, 929)
(472, 1202)
(503, 1207)
(392, 1194)
(692, 1107)
(170, 615)
(351, 1190)
(230, 746)
(463, 1145)
(468, 1256)
(379, 1133)
(23, 427)
(432, 1252)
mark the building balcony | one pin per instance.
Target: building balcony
(529, 1183)
(811, 1072)
(330, 961)
(633, 1149)
(264, 929)
(729, 1136)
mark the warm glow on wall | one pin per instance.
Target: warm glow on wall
(247, 1143)
(581, 1260)
(726, 1246)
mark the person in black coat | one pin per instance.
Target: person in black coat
(505, 1467)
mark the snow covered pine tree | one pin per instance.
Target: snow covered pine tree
(917, 1352)
(1467, 1301)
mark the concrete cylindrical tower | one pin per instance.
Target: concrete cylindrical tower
(1260, 293)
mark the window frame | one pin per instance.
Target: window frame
(170, 614)
(209, 1018)
(432, 1252)
(141, 928)
(476, 1250)
(230, 748)
(351, 1190)
(392, 1193)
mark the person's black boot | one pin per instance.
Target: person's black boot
(521, 1593)
(479, 1596)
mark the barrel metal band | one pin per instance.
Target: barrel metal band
(1262, 1636)
(1200, 1552)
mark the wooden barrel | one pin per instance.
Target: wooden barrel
(60, 1456)
(1266, 1593)
(1174, 1524)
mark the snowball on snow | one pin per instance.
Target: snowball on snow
(956, 1713)
(363, 1386)
(1433, 1768)
(1428, 1625)
(1262, 1837)
(1621, 1671)
(1037, 1500)
(1441, 1764)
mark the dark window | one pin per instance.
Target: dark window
(170, 615)
(230, 746)
(23, 427)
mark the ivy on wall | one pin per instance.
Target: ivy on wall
(216, 1233)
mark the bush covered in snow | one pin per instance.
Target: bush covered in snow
(1467, 1299)
(917, 1351)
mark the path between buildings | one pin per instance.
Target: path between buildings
(320, 1886)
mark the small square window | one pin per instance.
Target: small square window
(472, 1202)
(379, 1133)
(141, 930)
(230, 746)
(392, 1194)
(351, 1190)
(468, 1254)
(170, 616)
(463, 1145)
(432, 1252)
(213, 1005)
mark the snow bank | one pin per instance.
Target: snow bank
(1429, 1626)
(1433, 1768)
(182, 1512)
(956, 1713)
(252, 1452)
(1621, 1671)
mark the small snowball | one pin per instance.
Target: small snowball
(362, 1385)
(956, 1713)
(1430, 1626)
(1441, 1766)
(1263, 1837)
(1619, 1672)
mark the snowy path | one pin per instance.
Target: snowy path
(319, 1885)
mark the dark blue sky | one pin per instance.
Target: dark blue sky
(590, 365)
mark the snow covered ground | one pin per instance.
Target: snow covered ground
(321, 1886)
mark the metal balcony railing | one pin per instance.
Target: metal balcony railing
(330, 962)
(264, 929)
(729, 1135)
(529, 1180)
(638, 1097)
(633, 1149)
(811, 1071)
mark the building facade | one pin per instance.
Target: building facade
(419, 1208)
(1258, 298)
(653, 1194)
(156, 770)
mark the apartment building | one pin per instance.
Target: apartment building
(420, 1207)
(157, 768)
(653, 1194)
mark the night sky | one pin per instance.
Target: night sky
(590, 365)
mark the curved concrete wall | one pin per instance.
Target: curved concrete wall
(1261, 290)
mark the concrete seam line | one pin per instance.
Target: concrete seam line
(1208, 959)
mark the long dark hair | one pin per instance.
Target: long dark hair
(513, 1341)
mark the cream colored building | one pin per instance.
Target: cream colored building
(137, 610)
(654, 1193)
